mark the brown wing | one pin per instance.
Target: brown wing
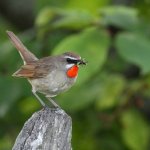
(26, 71)
(37, 69)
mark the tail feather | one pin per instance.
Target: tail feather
(26, 55)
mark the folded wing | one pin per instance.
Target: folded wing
(34, 70)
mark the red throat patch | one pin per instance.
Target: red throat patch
(72, 72)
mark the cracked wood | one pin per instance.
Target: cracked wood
(48, 129)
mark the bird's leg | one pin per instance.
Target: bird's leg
(38, 98)
(54, 103)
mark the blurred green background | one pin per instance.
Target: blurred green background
(110, 103)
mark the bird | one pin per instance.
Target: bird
(49, 75)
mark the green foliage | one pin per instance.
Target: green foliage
(87, 92)
(135, 131)
(119, 16)
(72, 19)
(14, 93)
(113, 85)
(135, 49)
(4, 26)
(90, 5)
(110, 101)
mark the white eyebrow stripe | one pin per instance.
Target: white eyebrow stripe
(71, 57)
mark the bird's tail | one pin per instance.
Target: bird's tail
(26, 55)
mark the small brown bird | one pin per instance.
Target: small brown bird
(49, 75)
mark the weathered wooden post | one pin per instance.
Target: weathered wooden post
(48, 129)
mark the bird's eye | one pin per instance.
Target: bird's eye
(72, 61)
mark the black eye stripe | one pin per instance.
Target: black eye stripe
(72, 61)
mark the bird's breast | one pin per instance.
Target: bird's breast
(54, 83)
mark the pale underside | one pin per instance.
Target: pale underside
(53, 84)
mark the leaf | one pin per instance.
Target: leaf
(90, 5)
(50, 19)
(40, 4)
(119, 16)
(135, 131)
(73, 19)
(92, 44)
(110, 89)
(135, 49)
(53, 18)
(46, 16)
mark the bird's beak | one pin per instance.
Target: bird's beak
(82, 62)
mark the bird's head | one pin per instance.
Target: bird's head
(72, 63)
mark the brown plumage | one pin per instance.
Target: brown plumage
(26, 55)
(33, 70)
